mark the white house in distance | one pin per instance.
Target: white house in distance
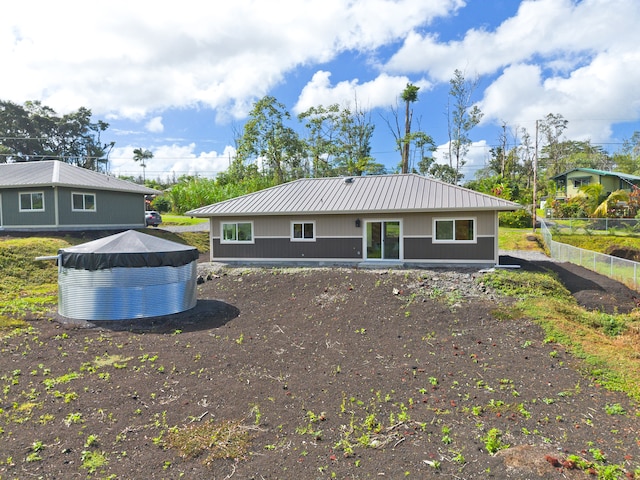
(403, 220)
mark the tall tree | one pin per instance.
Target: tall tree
(462, 116)
(443, 172)
(267, 139)
(353, 154)
(409, 96)
(141, 156)
(339, 140)
(33, 132)
(627, 160)
(552, 129)
(583, 154)
(323, 127)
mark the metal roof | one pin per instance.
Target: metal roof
(375, 193)
(60, 174)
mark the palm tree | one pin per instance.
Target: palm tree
(595, 203)
(140, 155)
(611, 201)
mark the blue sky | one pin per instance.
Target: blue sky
(179, 79)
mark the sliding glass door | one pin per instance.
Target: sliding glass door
(383, 240)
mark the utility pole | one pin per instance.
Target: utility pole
(535, 182)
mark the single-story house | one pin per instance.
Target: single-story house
(370, 220)
(569, 183)
(56, 196)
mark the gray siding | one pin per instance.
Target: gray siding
(12, 216)
(283, 248)
(423, 249)
(112, 208)
(415, 249)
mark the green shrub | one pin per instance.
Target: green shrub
(518, 219)
(162, 204)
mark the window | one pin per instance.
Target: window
(32, 202)
(581, 181)
(237, 232)
(85, 202)
(454, 230)
(303, 231)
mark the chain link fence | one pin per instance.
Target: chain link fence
(587, 225)
(620, 269)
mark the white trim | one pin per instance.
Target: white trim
(496, 253)
(236, 223)
(453, 240)
(31, 210)
(302, 222)
(84, 195)
(282, 237)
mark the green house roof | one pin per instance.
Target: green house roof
(602, 173)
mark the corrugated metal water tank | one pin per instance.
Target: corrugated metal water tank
(125, 276)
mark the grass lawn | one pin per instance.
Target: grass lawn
(181, 220)
(519, 239)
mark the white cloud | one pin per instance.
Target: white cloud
(382, 92)
(171, 161)
(578, 59)
(558, 33)
(476, 158)
(130, 59)
(155, 125)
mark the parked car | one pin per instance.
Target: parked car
(152, 218)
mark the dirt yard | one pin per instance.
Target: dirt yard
(330, 373)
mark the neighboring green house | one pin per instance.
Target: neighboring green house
(376, 220)
(56, 196)
(569, 183)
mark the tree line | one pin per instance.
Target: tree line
(274, 147)
(35, 132)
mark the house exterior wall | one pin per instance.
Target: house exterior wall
(339, 239)
(575, 180)
(13, 217)
(113, 210)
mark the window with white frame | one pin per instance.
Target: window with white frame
(237, 232)
(303, 231)
(32, 202)
(455, 230)
(83, 202)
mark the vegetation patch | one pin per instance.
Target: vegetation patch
(520, 284)
(212, 440)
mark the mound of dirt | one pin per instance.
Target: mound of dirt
(627, 253)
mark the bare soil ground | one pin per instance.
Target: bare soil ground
(332, 373)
